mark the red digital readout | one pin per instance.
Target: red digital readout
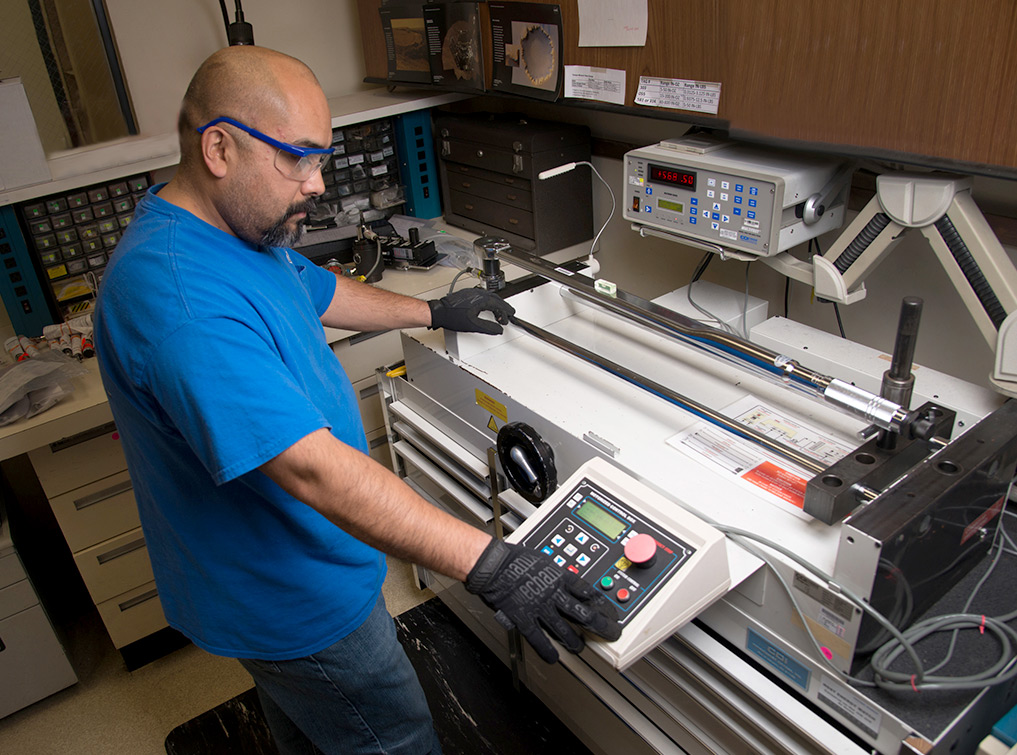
(685, 179)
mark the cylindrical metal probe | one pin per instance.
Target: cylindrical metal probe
(899, 381)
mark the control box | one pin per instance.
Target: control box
(656, 562)
(737, 197)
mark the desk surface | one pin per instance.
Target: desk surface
(84, 409)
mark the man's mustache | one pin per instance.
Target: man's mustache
(308, 206)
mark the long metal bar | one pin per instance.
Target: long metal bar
(868, 406)
(684, 402)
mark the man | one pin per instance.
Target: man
(263, 514)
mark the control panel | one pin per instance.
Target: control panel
(656, 562)
(735, 196)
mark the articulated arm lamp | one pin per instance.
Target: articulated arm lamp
(941, 207)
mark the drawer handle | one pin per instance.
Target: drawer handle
(137, 600)
(123, 550)
(513, 221)
(102, 495)
(510, 197)
(366, 336)
(83, 437)
(465, 184)
(468, 206)
(371, 390)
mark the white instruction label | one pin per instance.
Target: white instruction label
(756, 467)
(679, 94)
(604, 84)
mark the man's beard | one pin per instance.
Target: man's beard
(282, 235)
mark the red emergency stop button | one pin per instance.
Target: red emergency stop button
(623, 595)
(641, 550)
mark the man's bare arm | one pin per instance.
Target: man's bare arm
(364, 308)
(372, 504)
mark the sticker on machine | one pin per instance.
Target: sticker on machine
(866, 717)
(771, 476)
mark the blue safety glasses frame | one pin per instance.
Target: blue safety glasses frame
(295, 162)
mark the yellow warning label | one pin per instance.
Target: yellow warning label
(496, 408)
(492, 425)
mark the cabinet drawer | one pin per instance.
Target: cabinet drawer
(487, 157)
(456, 172)
(94, 513)
(492, 213)
(370, 403)
(80, 459)
(378, 448)
(17, 598)
(33, 664)
(362, 354)
(115, 565)
(496, 192)
(11, 570)
(133, 615)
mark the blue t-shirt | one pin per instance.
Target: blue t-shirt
(214, 358)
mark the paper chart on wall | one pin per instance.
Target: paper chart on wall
(612, 23)
(603, 84)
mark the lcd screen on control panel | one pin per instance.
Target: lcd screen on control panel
(666, 204)
(601, 519)
(662, 175)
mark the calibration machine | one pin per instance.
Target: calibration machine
(771, 515)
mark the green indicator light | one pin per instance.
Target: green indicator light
(607, 583)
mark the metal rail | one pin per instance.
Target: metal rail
(868, 406)
(684, 402)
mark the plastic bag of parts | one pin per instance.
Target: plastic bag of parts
(458, 252)
(34, 385)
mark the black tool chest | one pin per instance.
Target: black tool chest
(489, 167)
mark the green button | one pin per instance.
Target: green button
(607, 583)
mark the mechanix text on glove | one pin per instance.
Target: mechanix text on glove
(531, 593)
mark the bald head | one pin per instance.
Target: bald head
(250, 84)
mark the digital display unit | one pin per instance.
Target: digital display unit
(667, 204)
(600, 518)
(683, 178)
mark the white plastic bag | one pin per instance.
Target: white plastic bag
(34, 385)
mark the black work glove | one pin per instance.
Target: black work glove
(461, 310)
(531, 593)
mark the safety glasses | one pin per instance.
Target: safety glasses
(297, 163)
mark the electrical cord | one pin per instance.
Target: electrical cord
(696, 275)
(225, 15)
(904, 642)
(593, 246)
(836, 307)
(460, 274)
(840, 323)
(592, 264)
(745, 305)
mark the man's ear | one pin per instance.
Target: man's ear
(215, 144)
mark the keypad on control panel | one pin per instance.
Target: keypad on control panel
(586, 551)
